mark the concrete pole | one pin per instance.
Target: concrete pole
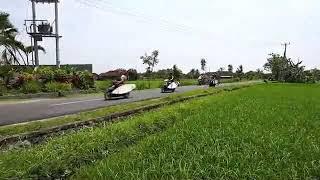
(57, 34)
(36, 54)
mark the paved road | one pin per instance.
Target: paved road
(35, 109)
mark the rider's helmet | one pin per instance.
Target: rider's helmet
(123, 77)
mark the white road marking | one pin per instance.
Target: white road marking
(75, 102)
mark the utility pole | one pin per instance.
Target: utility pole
(57, 34)
(39, 28)
(34, 29)
(285, 49)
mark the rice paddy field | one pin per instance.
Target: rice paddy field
(267, 131)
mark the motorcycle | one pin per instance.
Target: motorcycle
(169, 86)
(121, 91)
(213, 83)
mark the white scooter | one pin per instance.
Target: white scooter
(121, 91)
(169, 86)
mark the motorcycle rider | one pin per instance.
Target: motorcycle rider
(117, 83)
(213, 80)
(169, 80)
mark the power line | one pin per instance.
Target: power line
(136, 13)
(126, 13)
(164, 24)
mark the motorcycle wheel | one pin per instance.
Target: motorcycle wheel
(127, 95)
(107, 96)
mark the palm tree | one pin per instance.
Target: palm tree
(11, 48)
(30, 49)
(203, 64)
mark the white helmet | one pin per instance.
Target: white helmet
(123, 77)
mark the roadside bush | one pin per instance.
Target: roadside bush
(132, 74)
(102, 85)
(61, 75)
(45, 74)
(31, 87)
(58, 87)
(19, 80)
(83, 80)
(3, 89)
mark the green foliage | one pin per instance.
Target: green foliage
(188, 82)
(312, 76)
(150, 61)
(230, 68)
(252, 75)
(58, 87)
(239, 72)
(31, 86)
(133, 74)
(237, 136)
(45, 74)
(12, 50)
(176, 72)
(285, 70)
(62, 76)
(193, 74)
(234, 135)
(83, 80)
(3, 89)
(102, 85)
(203, 63)
(147, 84)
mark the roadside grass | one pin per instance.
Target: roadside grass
(62, 156)
(102, 85)
(263, 132)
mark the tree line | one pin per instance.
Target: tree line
(278, 68)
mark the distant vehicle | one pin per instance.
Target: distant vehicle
(203, 80)
(169, 86)
(122, 91)
(213, 83)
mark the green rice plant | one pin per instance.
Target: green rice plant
(263, 132)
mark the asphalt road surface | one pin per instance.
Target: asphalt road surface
(36, 109)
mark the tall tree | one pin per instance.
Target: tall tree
(132, 74)
(151, 60)
(176, 72)
(239, 72)
(194, 73)
(230, 68)
(276, 64)
(30, 49)
(11, 48)
(221, 69)
(203, 64)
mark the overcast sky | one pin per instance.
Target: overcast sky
(115, 33)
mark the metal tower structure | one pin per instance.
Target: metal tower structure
(38, 29)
